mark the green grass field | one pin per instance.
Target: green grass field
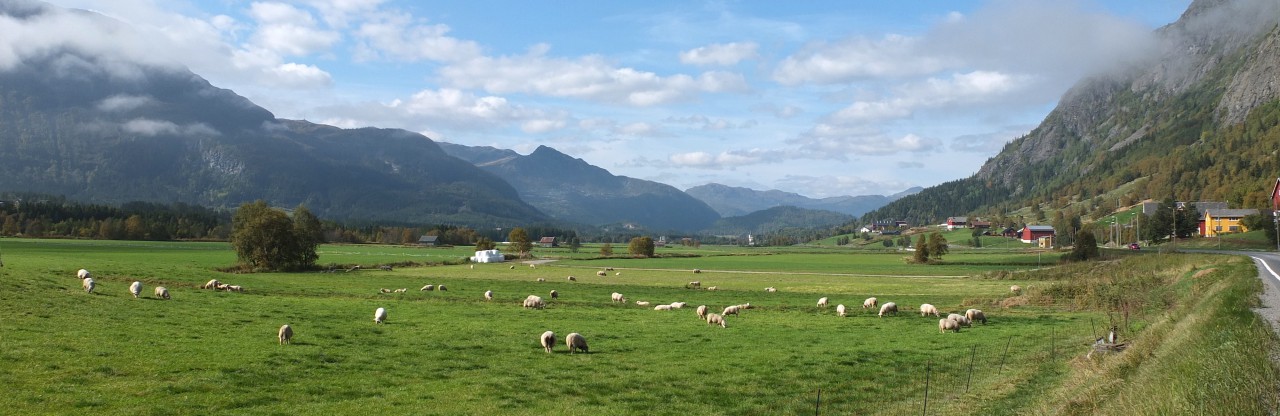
(63, 351)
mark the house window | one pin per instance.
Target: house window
(1218, 228)
(1234, 228)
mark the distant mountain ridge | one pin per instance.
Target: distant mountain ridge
(777, 219)
(731, 201)
(570, 189)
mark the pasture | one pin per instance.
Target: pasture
(210, 352)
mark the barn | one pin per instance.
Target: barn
(1032, 233)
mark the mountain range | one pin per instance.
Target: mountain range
(732, 201)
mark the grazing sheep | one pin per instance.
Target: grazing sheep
(427, 288)
(746, 306)
(488, 295)
(534, 302)
(401, 290)
(889, 307)
(473, 267)
(770, 289)
(608, 269)
(442, 288)
(731, 310)
(960, 319)
(221, 286)
(548, 340)
(575, 341)
(642, 303)
(211, 284)
(713, 319)
(88, 284)
(286, 334)
(533, 266)
(617, 273)
(135, 289)
(541, 279)
(714, 288)
(702, 311)
(662, 308)
(555, 294)
(162, 292)
(677, 305)
(1015, 289)
(572, 279)
(927, 309)
(236, 288)
(945, 325)
(380, 315)
(600, 273)
(840, 309)
(976, 315)
(695, 284)
(617, 297)
(385, 267)
(513, 267)
(384, 290)
(83, 274)
(870, 303)
(695, 271)
(822, 302)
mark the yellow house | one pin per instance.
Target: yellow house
(1224, 221)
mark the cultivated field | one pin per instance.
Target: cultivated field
(202, 352)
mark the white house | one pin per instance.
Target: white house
(487, 256)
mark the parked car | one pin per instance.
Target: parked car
(1134, 246)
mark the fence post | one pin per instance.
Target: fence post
(927, 369)
(1005, 355)
(818, 404)
(972, 355)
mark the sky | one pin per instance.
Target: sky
(821, 98)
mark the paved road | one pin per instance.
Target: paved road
(1268, 267)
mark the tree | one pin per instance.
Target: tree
(308, 233)
(887, 243)
(485, 244)
(606, 249)
(1261, 221)
(1187, 220)
(937, 245)
(520, 241)
(922, 250)
(1086, 247)
(641, 247)
(1159, 225)
(266, 238)
(575, 244)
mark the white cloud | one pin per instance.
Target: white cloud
(589, 77)
(124, 103)
(828, 141)
(959, 89)
(706, 123)
(293, 75)
(149, 127)
(399, 36)
(823, 186)
(988, 143)
(288, 30)
(724, 160)
(723, 54)
(857, 58)
(543, 125)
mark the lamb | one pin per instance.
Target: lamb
(600, 273)
(221, 286)
(427, 288)
(617, 297)
(702, 311)
(575, 341)
(88, 284)
(533, 266)
(695, 271)
(608, 269)
(401, 290)
(135, 289)
(617, 273)
(945, 325)
(662, 308)
(211, 284)
(927, 309)
(380, 315)
(548, 340)
(713, 319)
(976, 315)
(840, 309)
(488, 295)
(534, 302)
(236, 288)
(513, 267)
(960, 319)
(442, 288)
(822, 302)
(642, 303)
(555, 294)
(286, 334)
(770, 289)
(541, 279)
(714, 288)
(677, 305)
(889, 307)
(83, 274)
(572, 279)
(1015, 289)
(695, 284)
(162, 292)
(870, 303)
(384, 290)
(731, 310)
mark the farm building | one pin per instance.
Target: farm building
(1032, 233)
(428, 240)
(957, 222)
(548, 242)
(488, 256)
(1224, 221)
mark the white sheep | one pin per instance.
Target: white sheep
(642, 303)
(513, 267)
(840, 309)
(221, 286)
(1015, 289)
(960, 319)
(702, 311)
(927, 309)
(678, 305)
(401, 290)
(286, 334)
(211, 284)
(945, 325)
(548, 340)
(533, 266)
(714, 288)
(617, 297)
(384, 290)
(600, 273)
(541, 279)
(135, 289)
(662, 308)
(713, 319)
(870, 303)
(236, 288)
(771, 289)
(572, 279)
(380, 315)
(442, 288)
(488, 295)
(554, 294)
(534, 302)
(617, 273)
(427, 288)
(695, 284)
(889, 307)
(730, 310)
(608, 269)
(162, 292)
(88, 284)
(976, 315)
(575, 341)
(697, 271)
(822, 302)
(83, 274)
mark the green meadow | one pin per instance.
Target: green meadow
(64, 351)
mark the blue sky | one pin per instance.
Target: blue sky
(820, 98)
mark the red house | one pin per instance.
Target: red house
(1032, 233)
(957, 222)
(1275, 196)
